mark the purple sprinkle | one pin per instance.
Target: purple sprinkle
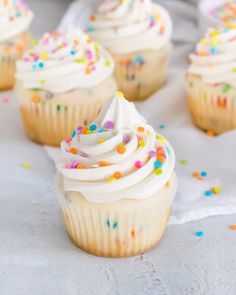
(74, 164)
(126, 138)
(152, 154)
(79, 129)
(109, 125)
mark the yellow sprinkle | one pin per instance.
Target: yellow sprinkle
(161, 138)
(111, 179)
(121, 94)
(26, 165)
(203, 41)
(101, 140)
(107, 63)
(43, 55)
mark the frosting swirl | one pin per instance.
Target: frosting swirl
(119, 156)
(15, 18)
(130, 25)
(59, 63)
(214, 60)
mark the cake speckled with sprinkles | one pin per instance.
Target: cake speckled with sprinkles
(63, 80)
(137, 33)
(211, 81)
(116, 182)
(15, 20)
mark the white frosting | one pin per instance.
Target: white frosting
(97, 183)
(15, 18)
(215, 57)
(131, 25)
(62, 63)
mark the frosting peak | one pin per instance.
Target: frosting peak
(130, 25)
(59, 63)
(214, 59)
(121, 158)
(121, 114)
(15, 18)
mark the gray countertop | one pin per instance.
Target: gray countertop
(37, 257)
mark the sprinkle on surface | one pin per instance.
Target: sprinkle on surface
(26, 165)
(199, 233)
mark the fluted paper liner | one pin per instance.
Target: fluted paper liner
(49, 119)
(212, 107)
(118, 229)
(142, 73)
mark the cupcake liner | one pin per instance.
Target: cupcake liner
(212, 107)
(119, 229)
(10, 52)
(50, 118)
(142, 73)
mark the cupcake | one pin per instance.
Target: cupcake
(116, 183)
(137, 34)
(15, 20)
(63, 80)
(211, 81)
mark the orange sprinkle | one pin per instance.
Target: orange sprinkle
(167, 184)
(161, 159)
(210, 133)
(84, 130)
(73, 150)
(121, 149)
(88, 71)
(36, 98)
(103, 164)
(233, 227)
(117, 174)
(195, 174)
(140, 129)
(92, 17)
(133, 233)
(80, 166)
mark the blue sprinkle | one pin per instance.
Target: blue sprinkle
(139, 59)
(199, 233)
(73, 134)
(90, 29)
(41, 65)
(101, 130)
(158, 164)
(203, 174)
(108, 223)
(162, 126)
(214, 50)
(168, 150)
(92, 127)
(72, 52)
(208, 193)
(115, 225)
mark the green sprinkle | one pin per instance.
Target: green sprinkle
(115, 225)
(234, 70)
(226, 88)
(58, 108)
(81, 60)
(183, 162)
(158, 171)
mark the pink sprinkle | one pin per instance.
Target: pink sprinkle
(109, 125)
(152, 154)
(138, 164)
(68, 166)
(6, 99)
(68, 140)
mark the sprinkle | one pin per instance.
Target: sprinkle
(214, 50)
(121, 94)
(226, 88)
(208, 193)
(210, 133)
(162, 126)
(158, 164)
(6, 99)
(183, 162)
(72, 52)
(139, 59)
(92, 127)
(152, 154)
(216, 190)
(107, 63)
(138, 164)
(73, 150)
(41, 65)
(233, 227)
(115, 225)
(199, 233)
(111, 179)
(36, 98)
(26, 165)
(73, 134)
(140, 129)
(158, 171)
(121, 149)
(203, 173)
(103, 163)
(117, 175)
(109, 125)
(195, 174)
(126, 138)
(142, 143)
(133, 233)
(80, 166)
(101, 140)
(58, 108)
